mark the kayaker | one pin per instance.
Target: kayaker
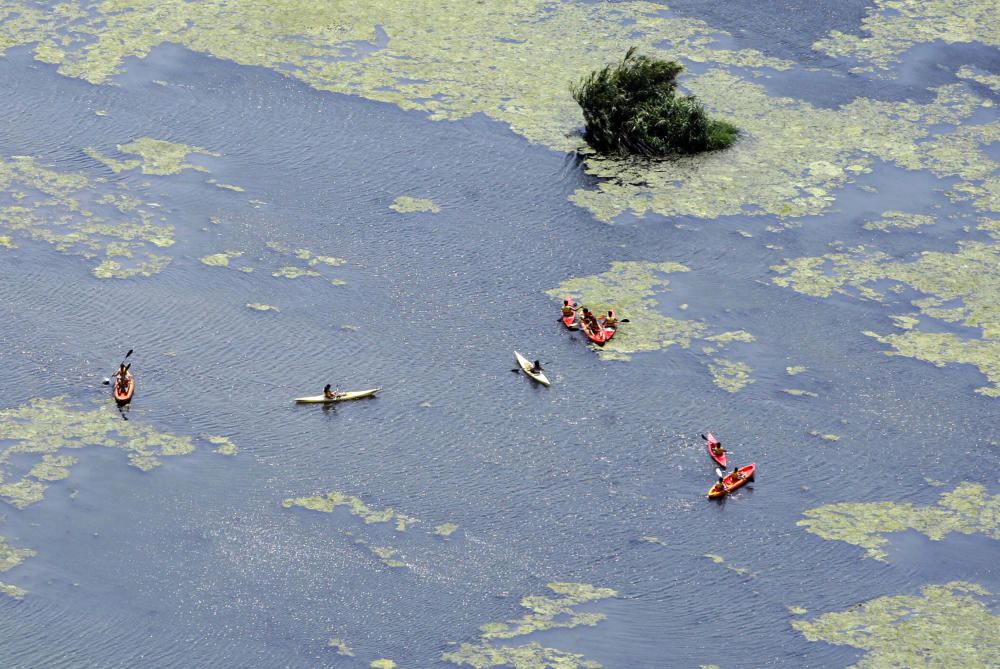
(121, 377)
(330, 394)
(610, 321)
(717, 449)
(537, 367)
(737, 475)
(567, 309)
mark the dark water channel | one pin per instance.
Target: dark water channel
(197, 564)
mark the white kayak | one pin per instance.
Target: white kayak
(341, 397)
(526, 366)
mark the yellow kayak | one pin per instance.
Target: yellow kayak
(340, 397)
(526, 366)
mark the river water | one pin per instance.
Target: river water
(599, 479)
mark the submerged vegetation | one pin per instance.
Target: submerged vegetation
(633, 108)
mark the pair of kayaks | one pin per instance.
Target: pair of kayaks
(601, 336)
(732, 481)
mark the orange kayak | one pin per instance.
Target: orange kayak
(731, 483)
(125, 397)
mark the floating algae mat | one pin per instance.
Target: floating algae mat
(945, 627)
(44, 429)
(630, 289)
(955, 287)
(967, 509)
(545, 613)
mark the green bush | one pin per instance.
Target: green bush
(633, 108)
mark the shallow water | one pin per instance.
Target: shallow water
(197, 563)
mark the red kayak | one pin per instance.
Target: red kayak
(570, 321)
(710, 443)
(730, 482)
(604, 335)
(124, 397)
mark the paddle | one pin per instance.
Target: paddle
(107, 381)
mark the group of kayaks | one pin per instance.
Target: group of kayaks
(600, 335)
(734, 480)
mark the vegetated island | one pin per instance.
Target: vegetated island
(632, 108)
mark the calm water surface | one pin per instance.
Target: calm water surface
(197, 564)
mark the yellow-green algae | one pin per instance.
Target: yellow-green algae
(991, 80)
(45, 427)
(546, 613)
(825, 436)
(944, 627)
(893, 26)
(327, 503)
(967, 510)
(798, 392)
(383, 663)
(797, 610)
(257, 306)
(729, 375)
(405, 204)
(341, 646)
(795, 369)
(156, 156)
(962, 286)
(289, 272)
(512, 62)
(12, 590)
(898, 220)
(7, 242)
(220, 259)
(223, 445)
(384, 553)
(11, 557)
(50, 206)
(445, 529)
(629, 287)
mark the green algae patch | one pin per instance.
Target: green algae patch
(12, 590)
(383, 663)
(7, 243)
(156, 156)
(898, 220)
(327, 503)
(223, 445)
(405, 204)
(944, 627)
(961, 286)
(220, 259)
(11, 557)
(446, 60)
(545, 613)
(825, 436)
(445, 529)
(798, 392)
(289, 272)
(43, 428)
(795, 370)
(652, 540)
(731, 376)
(257, 306)
(385, 554)
(797, 610)
(630, 288)
(990, 80)
(966, 510)
(341, 647)
(77, 215)
(892, 27)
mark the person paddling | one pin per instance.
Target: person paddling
(121, 378)
(610, 322)
(568, 309)
(330, 394)
(717, 449)
(537, 367)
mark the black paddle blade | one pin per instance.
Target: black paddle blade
(106, 382)
(624, 320)
(129, 353)
(704, 437)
